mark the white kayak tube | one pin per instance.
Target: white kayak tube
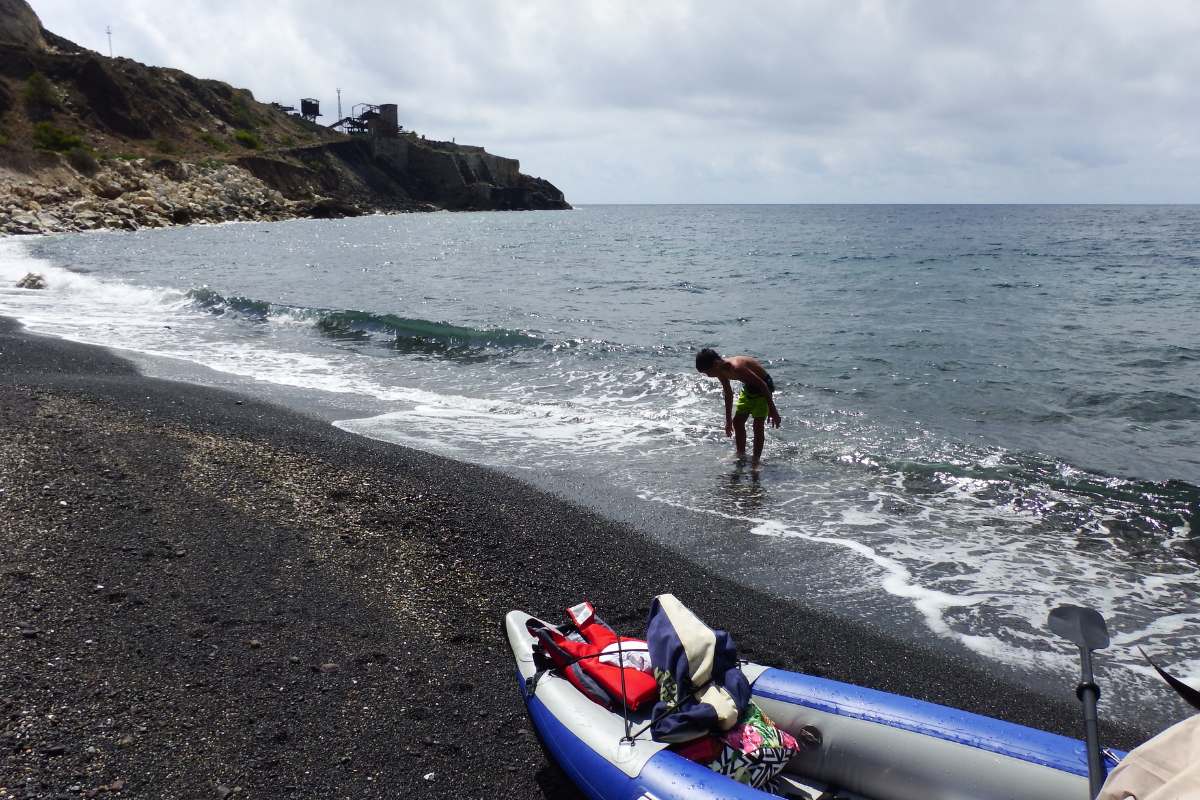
(874, 745)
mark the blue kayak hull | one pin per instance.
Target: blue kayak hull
(876, 745)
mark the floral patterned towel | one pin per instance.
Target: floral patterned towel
(755, 730)
(755, 751)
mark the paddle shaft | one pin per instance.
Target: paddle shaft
(1089, 693)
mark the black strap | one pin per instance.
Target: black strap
(531, 682)
(674, 707)
(671, 710)
(1190, 695)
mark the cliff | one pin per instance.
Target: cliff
(88, 141)
(399, 172)
(19, 26)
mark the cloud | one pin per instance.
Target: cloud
(686, 100)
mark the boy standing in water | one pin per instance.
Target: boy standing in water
(755, 399)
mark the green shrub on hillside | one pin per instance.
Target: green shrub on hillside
(212, 141)
(40, 96)
(247, 139)
(83, 160)
(165, 146)
(48, 137)
(243, 117)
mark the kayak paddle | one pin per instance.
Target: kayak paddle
(1085, 628)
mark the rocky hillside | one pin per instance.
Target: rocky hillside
(88, 141)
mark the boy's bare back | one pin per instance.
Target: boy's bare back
(746, 369)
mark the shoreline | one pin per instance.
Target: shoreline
(208, 593)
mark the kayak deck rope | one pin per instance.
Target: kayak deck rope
(532, 682)
(624, 699)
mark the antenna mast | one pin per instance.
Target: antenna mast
(108, 30)
(339, 91)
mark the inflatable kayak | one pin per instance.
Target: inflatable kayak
(874, 745)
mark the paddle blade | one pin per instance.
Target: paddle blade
(1083, 626)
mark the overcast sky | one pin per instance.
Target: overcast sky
(751, 102)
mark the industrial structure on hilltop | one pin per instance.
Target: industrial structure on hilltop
(398, 163)
(370, 120)
(365, 119)
(310, 109)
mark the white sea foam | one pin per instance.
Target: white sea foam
(67, 287)
(995, 569)
(509, 433)
(894, 577)
(159, 322)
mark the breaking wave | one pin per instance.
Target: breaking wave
(404, 334)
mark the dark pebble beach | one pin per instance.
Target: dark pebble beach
(204, 596)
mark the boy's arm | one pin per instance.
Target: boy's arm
(773, 412)
(727, 389)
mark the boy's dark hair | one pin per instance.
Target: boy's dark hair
(706, 358)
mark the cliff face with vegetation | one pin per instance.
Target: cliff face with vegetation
(92, 142)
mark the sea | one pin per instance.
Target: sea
(988, 410)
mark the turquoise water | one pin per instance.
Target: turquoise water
(988, 410)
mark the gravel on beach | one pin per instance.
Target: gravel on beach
(204, 596)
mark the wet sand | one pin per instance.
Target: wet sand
(206, 596)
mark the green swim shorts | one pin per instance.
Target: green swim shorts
(753, 404)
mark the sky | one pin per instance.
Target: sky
(703, 101)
